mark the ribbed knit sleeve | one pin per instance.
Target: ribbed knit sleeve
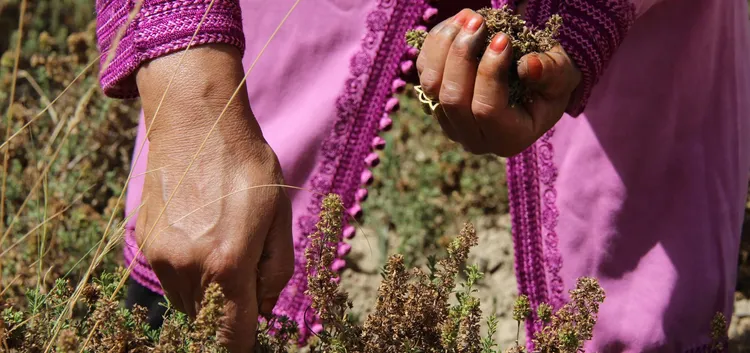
(592, 31)
(156, 28)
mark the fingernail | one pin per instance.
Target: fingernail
(533, 67)
(499, 43)
(460, 18)
(474, 23)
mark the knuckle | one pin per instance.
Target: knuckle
(446, 34)
(489, 70)
(483, 110)
(462, 49)
(452, 94)
(420, 62)
(430, 80)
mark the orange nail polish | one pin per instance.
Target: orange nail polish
(534, 67)
(460, 18)
(499, 43)
(474, 23)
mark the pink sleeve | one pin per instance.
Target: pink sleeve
(592, 31)
(159, 27)
(642, 6)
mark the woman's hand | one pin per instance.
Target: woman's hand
(222, 225)
(473, 93)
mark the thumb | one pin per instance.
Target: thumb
(276, 266)
(551, 75)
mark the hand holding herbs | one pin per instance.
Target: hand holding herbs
(500, 85)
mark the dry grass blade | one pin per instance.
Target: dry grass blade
(9, 114)
(43, 97)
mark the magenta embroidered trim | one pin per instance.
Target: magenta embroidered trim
(347, 152)
(591, 32)
(552, 259)
(523, 197)
(160, 27)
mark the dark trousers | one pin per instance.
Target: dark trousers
(153, 302)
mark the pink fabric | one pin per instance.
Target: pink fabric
(643, 190)
(321, 96)
(665, 165)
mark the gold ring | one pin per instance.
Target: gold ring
(424, 99)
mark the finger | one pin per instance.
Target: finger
(459, 77)
(432, 33)
(277, 263)
(551, 75)
(491, 87)
(240, 322)
(431, 60)
(431, 64)
(507, 130)
(177, 287)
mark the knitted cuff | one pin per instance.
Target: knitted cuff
(591, 32)
(141, 271)
(160, 27)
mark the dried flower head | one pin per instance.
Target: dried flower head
(719, 333)
(573, 324)
(544, 312)
(521, 308)
(203, 333)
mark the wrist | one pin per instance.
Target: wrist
(198, 97)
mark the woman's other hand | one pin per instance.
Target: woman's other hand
(222, 225)
(473, 93)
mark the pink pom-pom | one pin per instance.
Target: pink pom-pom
(430, 14)
(317, 328)
(344, 249)
(398, 85)
(392, 105)
(421, 28)
(412, 52)
(386, 123)
(372, 159)
(366, 177)
(406, 66)
(378, 143)
(361, 194)
(338, 265)
(355, 211)
(349, 232)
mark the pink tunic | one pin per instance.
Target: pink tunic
(644, 189)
